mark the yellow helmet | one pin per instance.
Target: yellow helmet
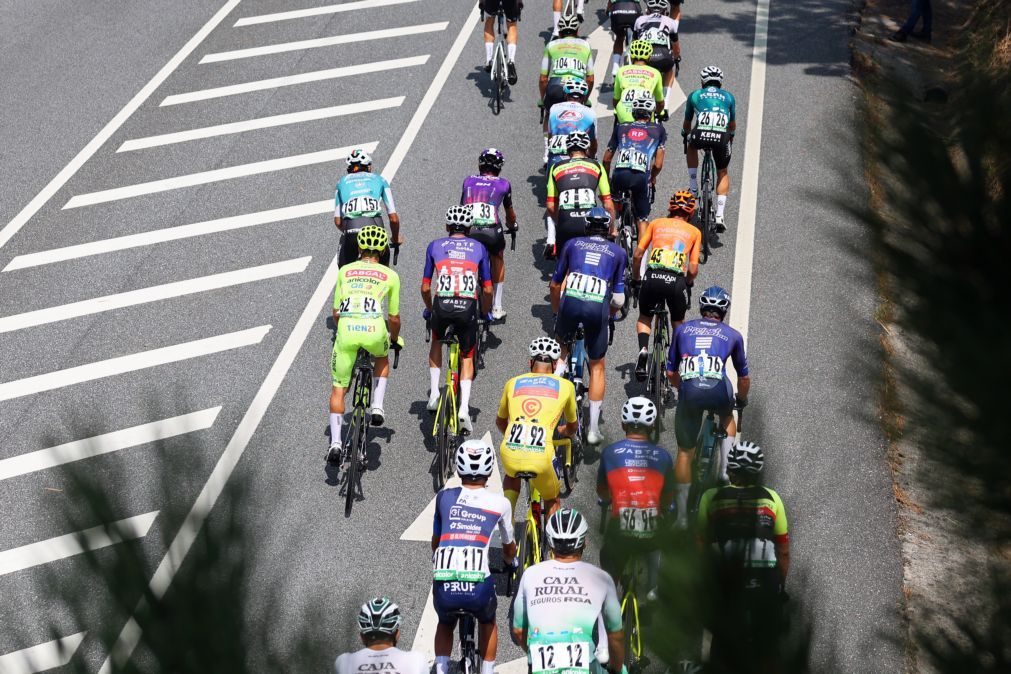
(373, 237)
(640, 50)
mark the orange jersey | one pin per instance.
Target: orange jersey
(675, 242)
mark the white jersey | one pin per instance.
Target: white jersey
(386, 661)
(656, 29)
(464, 522)
(557, 603)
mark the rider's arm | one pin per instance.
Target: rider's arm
(689, 114)
(661, 151)
(484, 275)
(337, 208)
(658, 92)
(589, 70)
(437, 523)
(693, 255)
(740, 359)
(640, 251)
(604, 187)
(393, 308)
(519, 625)
(502, 420)
(674, 358)
(611, 613)
(612, 145)
(781, 537)
(426, 278)
(507, 204)
(570, 413)
(507, 533)
(561, 270)
(391, 210)
(603, 490)
(337, 301)
(542, 84)
(618, 279)
(552, 199)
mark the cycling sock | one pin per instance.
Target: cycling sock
(693, 179)
(725, 446)
(336, 424)
(615, 62)
(682, 498)
(677, 24)
(465, 385)
(643, 341)
(555, 16)
(511, 51)
(497, 303)
(595, 406)
(513, 497)
(379, 395)
(489, 50)
(551, 230)
(487, 667)
(721, 203)
(560, 369)
(433, 375)
(441, 664)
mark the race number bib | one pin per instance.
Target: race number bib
(456, 283)
(561, 658)
(556, 144)
(362, 207)
(526, 437)
(713, 120)
(656, 35)
(568, 65)
(360, 306)
(661, 258)
(702, 366)
(465, 564)
(635, 94)
(577, 199)
(631, 158)
(637, 521)
(483, 214)
(585, 287)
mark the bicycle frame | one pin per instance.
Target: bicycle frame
(707, 449)
(498, 64)
(708, 193)
(629, 581)
(356, 435)
(445, 423)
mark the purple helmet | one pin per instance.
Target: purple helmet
(492, 158)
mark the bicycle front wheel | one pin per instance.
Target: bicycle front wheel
(353, 481)
(633, 638)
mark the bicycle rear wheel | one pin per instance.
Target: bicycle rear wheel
(357, 436)
(470, 661)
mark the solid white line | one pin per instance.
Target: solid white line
(260, 123)
(317, 11)
(129, 637)
(107, 442)
(283, 47)
(49, 655)
(290, 80)
(153, 294)
(205, 177)
(169, 234)
(135, 361)
(68, 545)
(86, 153)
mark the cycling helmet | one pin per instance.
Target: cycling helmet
(568, 24)
(639, 411)
(544, 348)
(683, 200)
(492, 158)
(475, 458)
(459, 218)
(640, 50)
(359, 158)
(643, 107)
(658, 6)
(746, 457)
(711, 74)
(566, 531)
(379, 614)
(577, 140)
(575, 86)
(715, 299)
(373, 237)
(597, 220)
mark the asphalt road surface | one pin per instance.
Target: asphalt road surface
(167, 261)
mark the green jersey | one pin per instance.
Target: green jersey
(567, 56)
(634, 82)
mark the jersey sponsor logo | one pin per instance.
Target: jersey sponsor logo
(545, 387)
(365, 273)
(360, 327)
(703, 342)
(589, 244)
(456, 254)
(531, 407)
(593, 259)
(570, 116)
(561, 587)
(377, 667)
(637, 134)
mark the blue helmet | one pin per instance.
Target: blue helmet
(716, 300)
(597, 220)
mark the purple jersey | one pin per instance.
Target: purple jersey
(485, 194)
(700, 350)
(592, 268)
(457, 267)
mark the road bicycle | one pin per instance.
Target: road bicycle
(658, 388)
(570, 450)
(499, 65)
(707, 457)
(446, 422)
(707, 201)
(531, 548)
(356, 435)
(628, 239)
(628, 587)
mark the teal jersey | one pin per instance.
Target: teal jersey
(713, 109)
(361, 195)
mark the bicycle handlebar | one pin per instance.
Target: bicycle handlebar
(610, 331)
(396, 354)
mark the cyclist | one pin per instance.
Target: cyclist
(710, 122)
(531, 407)
(558, 601)
(661, 31)
(568, 116)
(556, 12)
(459, 267)
(696, 366)
(637, 478)
(511, 9)
(568, 55)
(379, 630)
(484, 193)
(624, 14)
(587, 287)
(358, 298)
(743, 525)
(358, 202)
(637, 150)
(672, 263)
(637, 80)
(572, 191)
(465, 518)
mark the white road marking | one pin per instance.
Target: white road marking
(260, 123)
(42, 657)
(153, 294)
(290, 80)
(68, 545)
(317, 11)
(135, 361)
(129, 637)
(205, 177)
(331, 41)
(61, 178)
(169, 234)
(107, 442)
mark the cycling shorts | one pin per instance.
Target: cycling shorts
(511, 8)
(617, 550)
(461, 313)
(553, 93)
(661, 288)
(692, 405)
(570, 225)
(623, 16)
(637, 183)
(375, 340)
(593, 316)
(720, 142)
(543, 464)
(492, 238)
(662, 59)
(477, 598)
(349, 246)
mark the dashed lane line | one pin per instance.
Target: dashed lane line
(41, 657)
(317, 11)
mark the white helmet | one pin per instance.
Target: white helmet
(359, 157)
(639, 411)
(475, 458)
(711, 74)
(566, 531)
(661, 6)
(379, 614)
(745, 457)
(644, 104)
(545, 347)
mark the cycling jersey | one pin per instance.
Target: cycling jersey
(390, 660)
(743, 525)
(533, 405)
(633, 82)
(456, 267)
(362, 288)
(657, 29)
(485, 194)
(573, 185)
(639, 476)
(635, 144)
(557, 604)
(563, 119)
(712, 108)
(673, 245)
(358, 200)
(624, 14)
(567, 56)
(592, 269)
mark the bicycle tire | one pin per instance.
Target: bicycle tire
(630, 626)
(469, 659)
(442, 441)
(353, 474)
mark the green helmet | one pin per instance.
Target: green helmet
(640, 50)
(373, 237)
